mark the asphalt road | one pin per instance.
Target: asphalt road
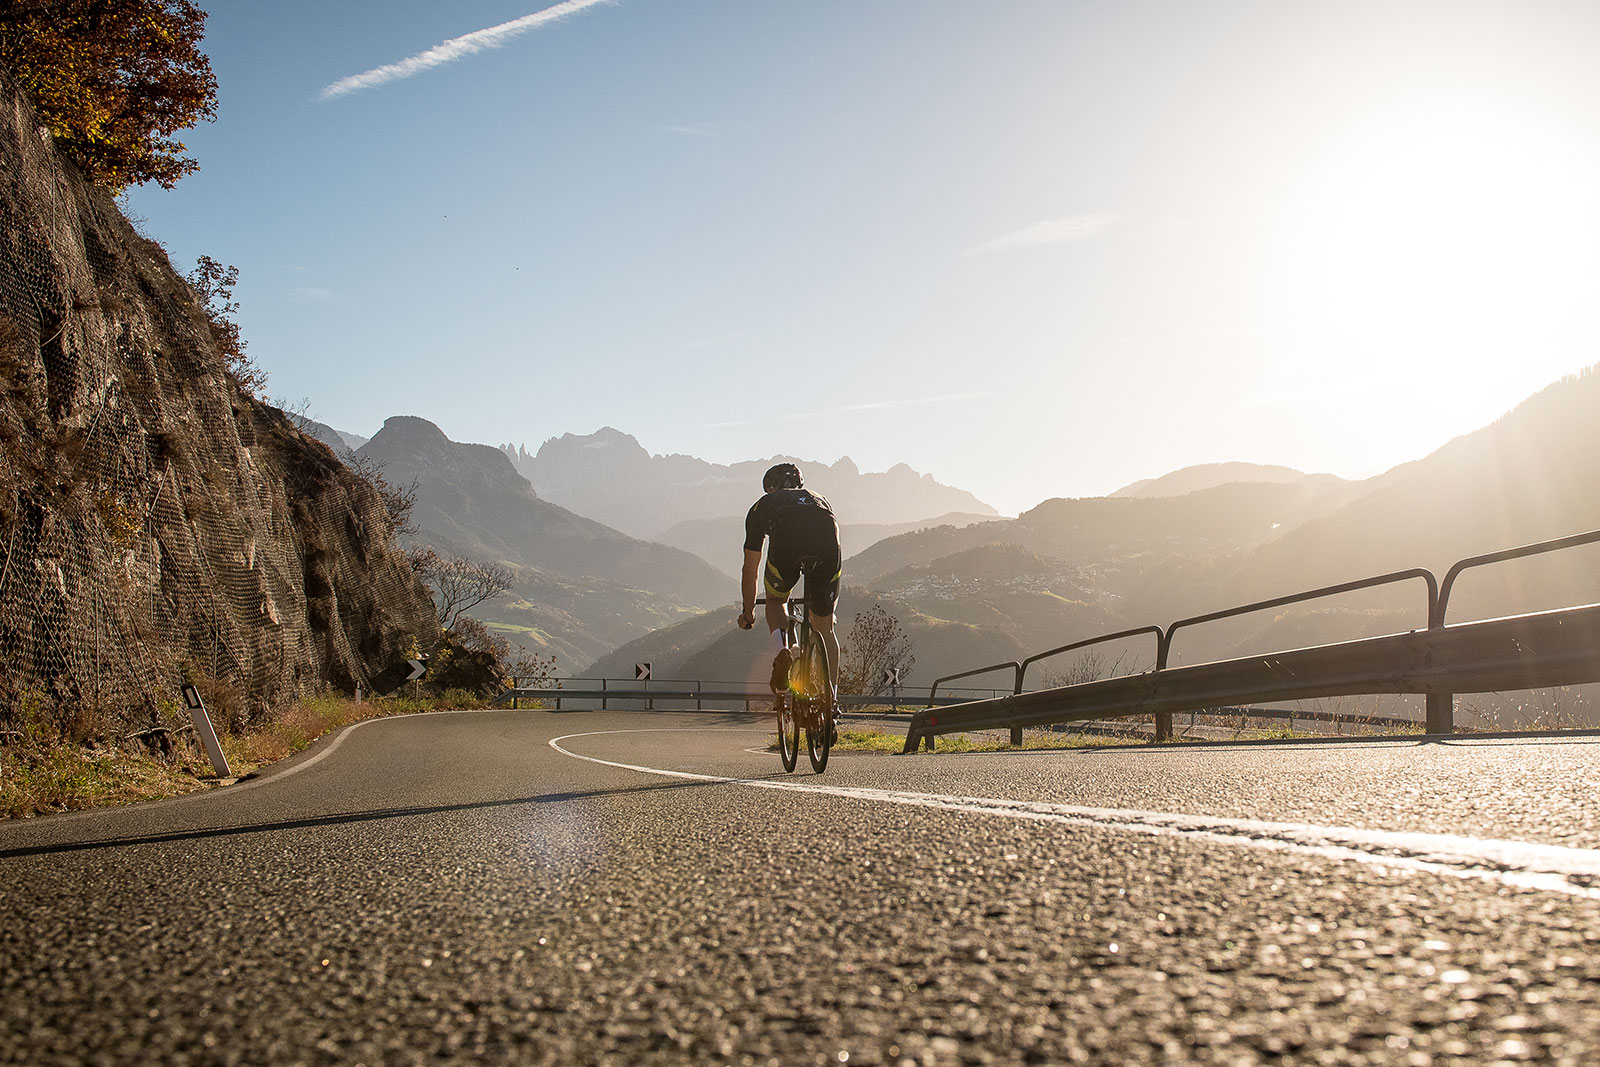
(529, 887)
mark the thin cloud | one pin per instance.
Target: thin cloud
(1048, 232)
(688, 131)
(457, 48)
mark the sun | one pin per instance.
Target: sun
(1453, 244)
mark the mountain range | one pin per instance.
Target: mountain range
(581, 587)
(1153, 553)
(1210, 475)
(972, 587)
(610, 477)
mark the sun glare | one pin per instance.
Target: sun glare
(1451, 247)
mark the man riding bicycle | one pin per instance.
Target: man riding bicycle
(803, 538)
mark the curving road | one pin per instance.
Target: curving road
(531, 887)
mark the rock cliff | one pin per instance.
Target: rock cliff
(156, 523)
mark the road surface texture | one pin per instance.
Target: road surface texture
(592, 887)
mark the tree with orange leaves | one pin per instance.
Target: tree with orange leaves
(113, 80)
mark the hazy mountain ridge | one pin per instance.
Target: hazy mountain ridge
(1523, 478)
(1224, 518)
(1210, 475)
(710, 647)
(1528, 476)
(610, 477)
(582, 587)
(720, 541)
(1071, 569)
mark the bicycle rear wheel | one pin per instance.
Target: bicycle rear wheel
(819, 727)
(788, 732)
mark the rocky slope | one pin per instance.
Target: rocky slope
(157, 525)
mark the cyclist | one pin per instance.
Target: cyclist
(803, 537)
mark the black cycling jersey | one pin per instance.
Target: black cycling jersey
(804, 537)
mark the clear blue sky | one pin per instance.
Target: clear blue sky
(1033, 247)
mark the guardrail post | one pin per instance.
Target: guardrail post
(1016, 737)
(513, 690)
(1441, 713)
(1163, 718)
(602, 690)
(1439, 716)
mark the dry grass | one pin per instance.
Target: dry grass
(40, 777)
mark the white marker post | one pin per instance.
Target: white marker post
(208, 734)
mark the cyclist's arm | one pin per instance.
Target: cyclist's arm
(747, 585)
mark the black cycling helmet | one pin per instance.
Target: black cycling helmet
(781, 476)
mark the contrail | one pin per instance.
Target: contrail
(1049, 232)
(457, 48)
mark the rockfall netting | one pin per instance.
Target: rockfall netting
(156, 524)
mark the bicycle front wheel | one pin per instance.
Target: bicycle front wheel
(819, 725)
(788, 732)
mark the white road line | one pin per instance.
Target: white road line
(1552, 868)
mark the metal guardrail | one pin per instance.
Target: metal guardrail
(680, 693)
(1008, 665)
(1164, 721)
(1121, 635)
(1522, 652)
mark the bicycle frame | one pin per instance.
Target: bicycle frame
(810, 710)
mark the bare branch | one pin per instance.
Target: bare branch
(876, 643)
(459, 585)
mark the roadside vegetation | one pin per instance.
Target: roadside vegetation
(40, 774)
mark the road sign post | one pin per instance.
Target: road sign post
(208, 733)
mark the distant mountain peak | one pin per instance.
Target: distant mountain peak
(1210, 475)
(413, 428)
(609, 476)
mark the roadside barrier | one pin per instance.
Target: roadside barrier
(1521, 652)
(616, 693)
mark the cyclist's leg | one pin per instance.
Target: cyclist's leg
(823, 624)
(822, 597)
(782, 572)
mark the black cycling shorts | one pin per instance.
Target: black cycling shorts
(807, 544)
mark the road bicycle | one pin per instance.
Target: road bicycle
(808, 704)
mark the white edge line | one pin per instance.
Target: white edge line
(1511, 863)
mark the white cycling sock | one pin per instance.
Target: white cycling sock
(779, 641)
